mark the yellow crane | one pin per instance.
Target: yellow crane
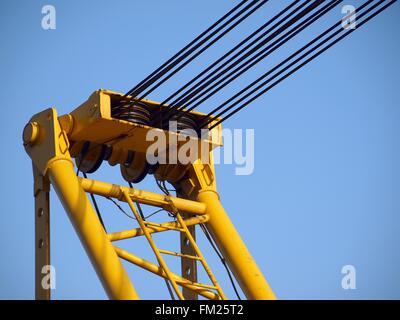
(52, 142)
(115, 128)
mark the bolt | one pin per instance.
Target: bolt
(40, 212)
(31, 132)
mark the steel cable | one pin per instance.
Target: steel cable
(244, 104)
(236, 23)
(247, 11)
(230, 52)
(180, 52)
(239, 70)
(245, 53)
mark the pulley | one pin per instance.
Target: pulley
(137, 113)
(185, 123)
(135, 167)
(91, 156)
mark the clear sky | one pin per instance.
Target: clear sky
(326, 187)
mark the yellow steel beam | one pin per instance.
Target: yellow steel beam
(200, 185)
(155, 224)
(132, 233)
(178, 254)
(47, 143)
(199, 254)
(91, 233)
(153, 246)
(42, 232)
(235, 252)
(146, 197)
(48, 147)
(151, 267)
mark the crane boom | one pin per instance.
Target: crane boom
(52, 142)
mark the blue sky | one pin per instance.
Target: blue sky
(326, 187)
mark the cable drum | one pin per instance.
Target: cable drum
(135, 113)
(185, 123)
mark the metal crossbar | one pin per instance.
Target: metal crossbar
(181, 227)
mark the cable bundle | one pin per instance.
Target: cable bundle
(249, 52)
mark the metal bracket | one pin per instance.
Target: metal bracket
(42, 232)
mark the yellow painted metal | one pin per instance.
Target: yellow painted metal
(42, 232)
(48, 140)
(44, 140)
(126, 234)
(154, 224)
(239, 259)
(151, 267)
(87, 123)
(197, 251)
(153, 246)
(183, 228)
(188, 265)
(91, 233)
(201, 186)
(50, 155)
(145, 197)
(178, 254)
